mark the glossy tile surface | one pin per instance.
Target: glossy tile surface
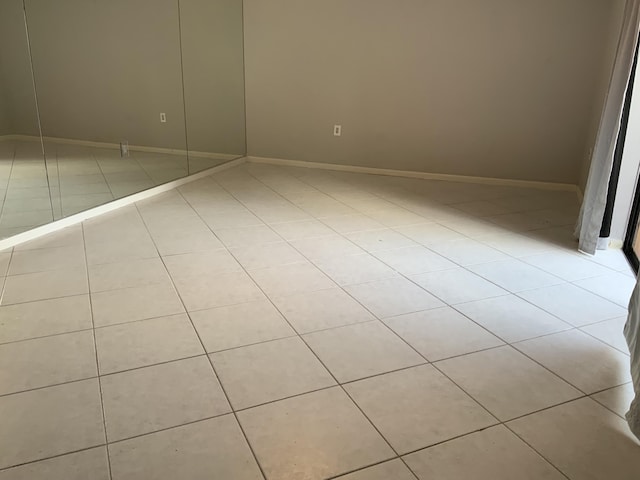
(281, 323)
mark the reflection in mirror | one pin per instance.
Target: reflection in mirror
(129, 94)
(24, 193)
(109, 83)
(213, 72)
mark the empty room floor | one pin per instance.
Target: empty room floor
(285, 323)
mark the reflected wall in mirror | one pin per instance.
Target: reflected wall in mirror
(130, 93)
(25, 201)
(213, 73)
(104, 74)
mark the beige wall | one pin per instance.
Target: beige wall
(15, 72)
(213, 68)
(611, 45)
(5, 128)
(498, 88)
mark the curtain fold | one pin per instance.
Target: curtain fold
(595, 195)
(632, 334)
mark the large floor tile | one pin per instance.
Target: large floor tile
(92, 463)
(266, 255)
(381, 239)
(161, 396)
(291, 231)
(418, 407)
(134, 273)
(429, 233)
(344, 224)
(518, 245)
(492, 454)
(313, 436)
(353, 269)
(45, 259)
(468, 252)
(52, 284)
(47, 361)
(573, 304)
(46, 317)
(361, 350)
(200, 292)
(269, 371)
(312, 311)
(327, 247)
(176, 243)
(442, 333)
(580, 359)
(247, 236)
(584, 440)
(569, 267)
(515, 276)
(395, 296)
(120, 250)
(616, 399)
(238, 325)
(137, 303)
(506, 382)
(201, 263)
(511, 318)
(610, 332)
(212, 448)
(457, 286)
(615, 287)
(147, 342)
(51, 421)
(291, 279)
(393, 469)
(414, 260)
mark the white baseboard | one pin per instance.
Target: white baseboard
(116, 146)
(565, 187)
(111, 206)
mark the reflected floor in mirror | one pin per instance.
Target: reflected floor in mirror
(76, 178)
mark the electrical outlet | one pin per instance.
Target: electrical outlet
(124, 149)
(337, 130)
(163, 118)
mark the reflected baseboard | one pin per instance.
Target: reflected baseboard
(116, 146)
(111, 206)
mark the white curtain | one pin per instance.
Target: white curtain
(595, 195)
(632, 334)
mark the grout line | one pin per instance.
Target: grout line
(313, 353)
(195, 330)
(341, 385)
(536, 451)
(95, 347)
(403, 340)
(299, 335)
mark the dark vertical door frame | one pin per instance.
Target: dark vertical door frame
(605, 230)
(632, 226)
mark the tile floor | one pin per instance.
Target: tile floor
(280, 323)
(76, 179)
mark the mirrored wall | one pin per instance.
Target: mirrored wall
(103, 99)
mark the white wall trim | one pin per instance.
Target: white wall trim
(568, 187)
(116, 146)
(111, 206)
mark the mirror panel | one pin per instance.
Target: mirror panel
(25, 200)
(213, 72)
(100, 100)
(109, 83)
